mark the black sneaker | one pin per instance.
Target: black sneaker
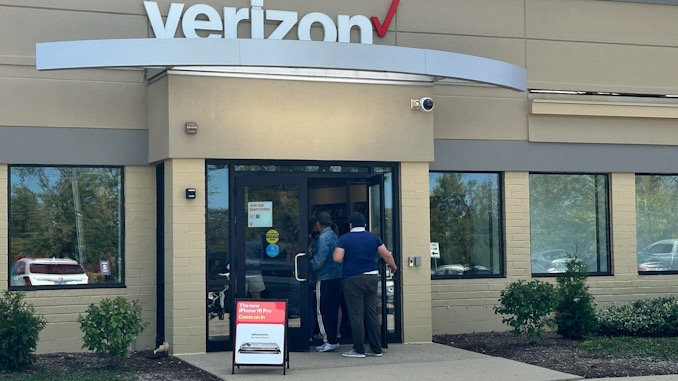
(369, 352)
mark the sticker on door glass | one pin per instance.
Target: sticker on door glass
(272, 250)
(272, 236)
(260, 214)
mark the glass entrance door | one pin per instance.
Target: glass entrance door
(271, 240)
(380, 222)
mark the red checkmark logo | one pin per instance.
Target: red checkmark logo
(382, 29)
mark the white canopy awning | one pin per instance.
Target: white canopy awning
(428, 65)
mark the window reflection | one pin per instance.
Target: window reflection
(656, 202)
(569, 219)
(65, 225)
(218, 257)
(465, 224)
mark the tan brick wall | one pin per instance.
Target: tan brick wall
(415, 242)
(466, 305)
(517, 224)
(140, 245)
(185, 256)
(623, 218)
(62, 307)
(626, 284)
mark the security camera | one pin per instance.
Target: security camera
(424, 104)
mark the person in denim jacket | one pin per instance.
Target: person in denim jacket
(327, 278)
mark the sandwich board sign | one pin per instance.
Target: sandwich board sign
(260, 334)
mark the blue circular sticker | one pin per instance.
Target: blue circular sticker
(272, 250)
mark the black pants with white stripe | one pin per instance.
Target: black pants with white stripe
(327, 297)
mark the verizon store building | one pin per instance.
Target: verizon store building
(175, 154)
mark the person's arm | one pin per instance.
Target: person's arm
(320, 254)
(338, 255)
(387, 257)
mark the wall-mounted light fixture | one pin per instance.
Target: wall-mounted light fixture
(191, 128)
(424, 104)
(190, 193)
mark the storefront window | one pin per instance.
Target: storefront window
(65, 226)
(218, 255)
(657, 241)
(218, 221)
(569, 219)
(466, 224)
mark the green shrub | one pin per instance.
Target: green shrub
(649, 317)
(111, 326)
(575, 313)
(19, 331)
(529, 306)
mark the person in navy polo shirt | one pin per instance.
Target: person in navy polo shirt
(357, 251)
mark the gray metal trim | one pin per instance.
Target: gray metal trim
(482, 155)
(73, 146)
(153, 52)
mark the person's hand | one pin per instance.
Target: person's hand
(393, 268)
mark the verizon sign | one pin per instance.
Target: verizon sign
(212, 41)
(204, 21)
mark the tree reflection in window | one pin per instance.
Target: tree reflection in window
(68, 212)
(466, 224)
(569, 218)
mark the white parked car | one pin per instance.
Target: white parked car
(659, 256)
(47, 272)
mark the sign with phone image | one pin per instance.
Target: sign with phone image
(260, 333)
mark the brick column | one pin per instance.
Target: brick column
(415, 235)
(623, 215)
(517, 224)
(185, 256)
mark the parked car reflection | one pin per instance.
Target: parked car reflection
(548, 261)
(659, 256)
(460, 269)
(555, 261)
(47, 272)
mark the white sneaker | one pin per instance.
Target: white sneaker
(353, 353)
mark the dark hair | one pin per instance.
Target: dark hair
(324, 219)
(357, 220)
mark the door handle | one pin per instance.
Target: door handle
(296, 266)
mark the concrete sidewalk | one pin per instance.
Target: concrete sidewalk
(427, 361)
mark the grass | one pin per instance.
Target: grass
(662, 348)
(98, 375)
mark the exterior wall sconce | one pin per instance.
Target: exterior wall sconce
(191, 128)
(190, 193)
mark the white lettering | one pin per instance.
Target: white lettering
(161, 30)
(345, 24)
(191, 23)
(231, 20)
(203, 17)
(304, 28)
(287, 21)
(257, 20)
